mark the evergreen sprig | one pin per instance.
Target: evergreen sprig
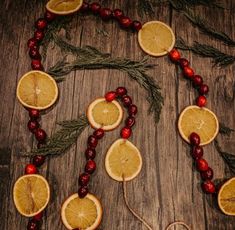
(219, 58)
(91, 58)
(225, 130)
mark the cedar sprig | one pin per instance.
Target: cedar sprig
(90, 58)
(63, 139)
(219, 58)
(224, 130)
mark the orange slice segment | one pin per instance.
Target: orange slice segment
(37, 90)
(63, 7)
(31, 194)
(123, 159)
(107, 115)
(156, 38)
(85, 213)
(226, 197)
(199, 120)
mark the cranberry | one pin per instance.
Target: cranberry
(201, 101)
(194, 139)
(183, 62)
(40, 135)
(36, 65)
(39, 160)
(92, 141)
(117, 14)
(136, 25)
(34, 53)
(49, 16)
(84, 179)
(33, 225)
(85, 7)
(132, 110)
(126, 132)
(95, 7)
(41, 24)
(197, 152)
(208, 187)
(204, 89)
(32, 125)
(99, 133)
(90, 166)
(202, 165)
(34, 113)
(125, 22)
(126, 100)
(121, 91)
(207, 175)
(82, 191)
(30, 169)
(130, 121)
(105, 13)
(188, 72)
(197, 80)
(110, 96)
(39, 35)
(174, 55)
(38, 217)
(90, 153)
(32, 43)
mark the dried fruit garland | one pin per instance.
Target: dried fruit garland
(125, 22)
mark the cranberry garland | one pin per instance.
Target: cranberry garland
(197, 151)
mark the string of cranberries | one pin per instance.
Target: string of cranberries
(92, 142)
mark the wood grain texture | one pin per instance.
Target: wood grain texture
(168, 187)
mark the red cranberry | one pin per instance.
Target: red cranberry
(188, 72)
(174, 55)
(183, 62)
(34, 53)
(49, 16)
(208, 187)
(130, 121)
(30, 169)
(40, 135)
(132, 110)
(36, 65)
(121, 91)
(204, 89)
(41, 24)
(197, 152)
(105, 13)
(84, 179)
(125, 22)
(32, 43)
(197, 80)
(85, 7)
(202, 165)
(126, 132)
(34, 113)
(90, 153)
(117, 14)
(33, 225)
(110, 96)
(207, 175)
(95, 7)
(201, 101)
(126, 100)
(99, 133)
(90, 166)
(39, 160)
(82, 191)
(32, 125)
(38, 217)
(194, 139)
(136, 25)
(39, 35)
(92, 141)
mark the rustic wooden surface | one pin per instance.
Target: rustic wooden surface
(168, 187)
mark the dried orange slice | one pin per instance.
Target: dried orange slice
(226, 197)
(31, 194)
(199, 120)
(123, 159)
(156, 38)
(37, 90)
(63, 7)
(85, 213)
(107, 115)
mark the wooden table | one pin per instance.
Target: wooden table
(168, 187)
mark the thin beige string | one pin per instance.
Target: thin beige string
(130, 209)
(178, 223)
